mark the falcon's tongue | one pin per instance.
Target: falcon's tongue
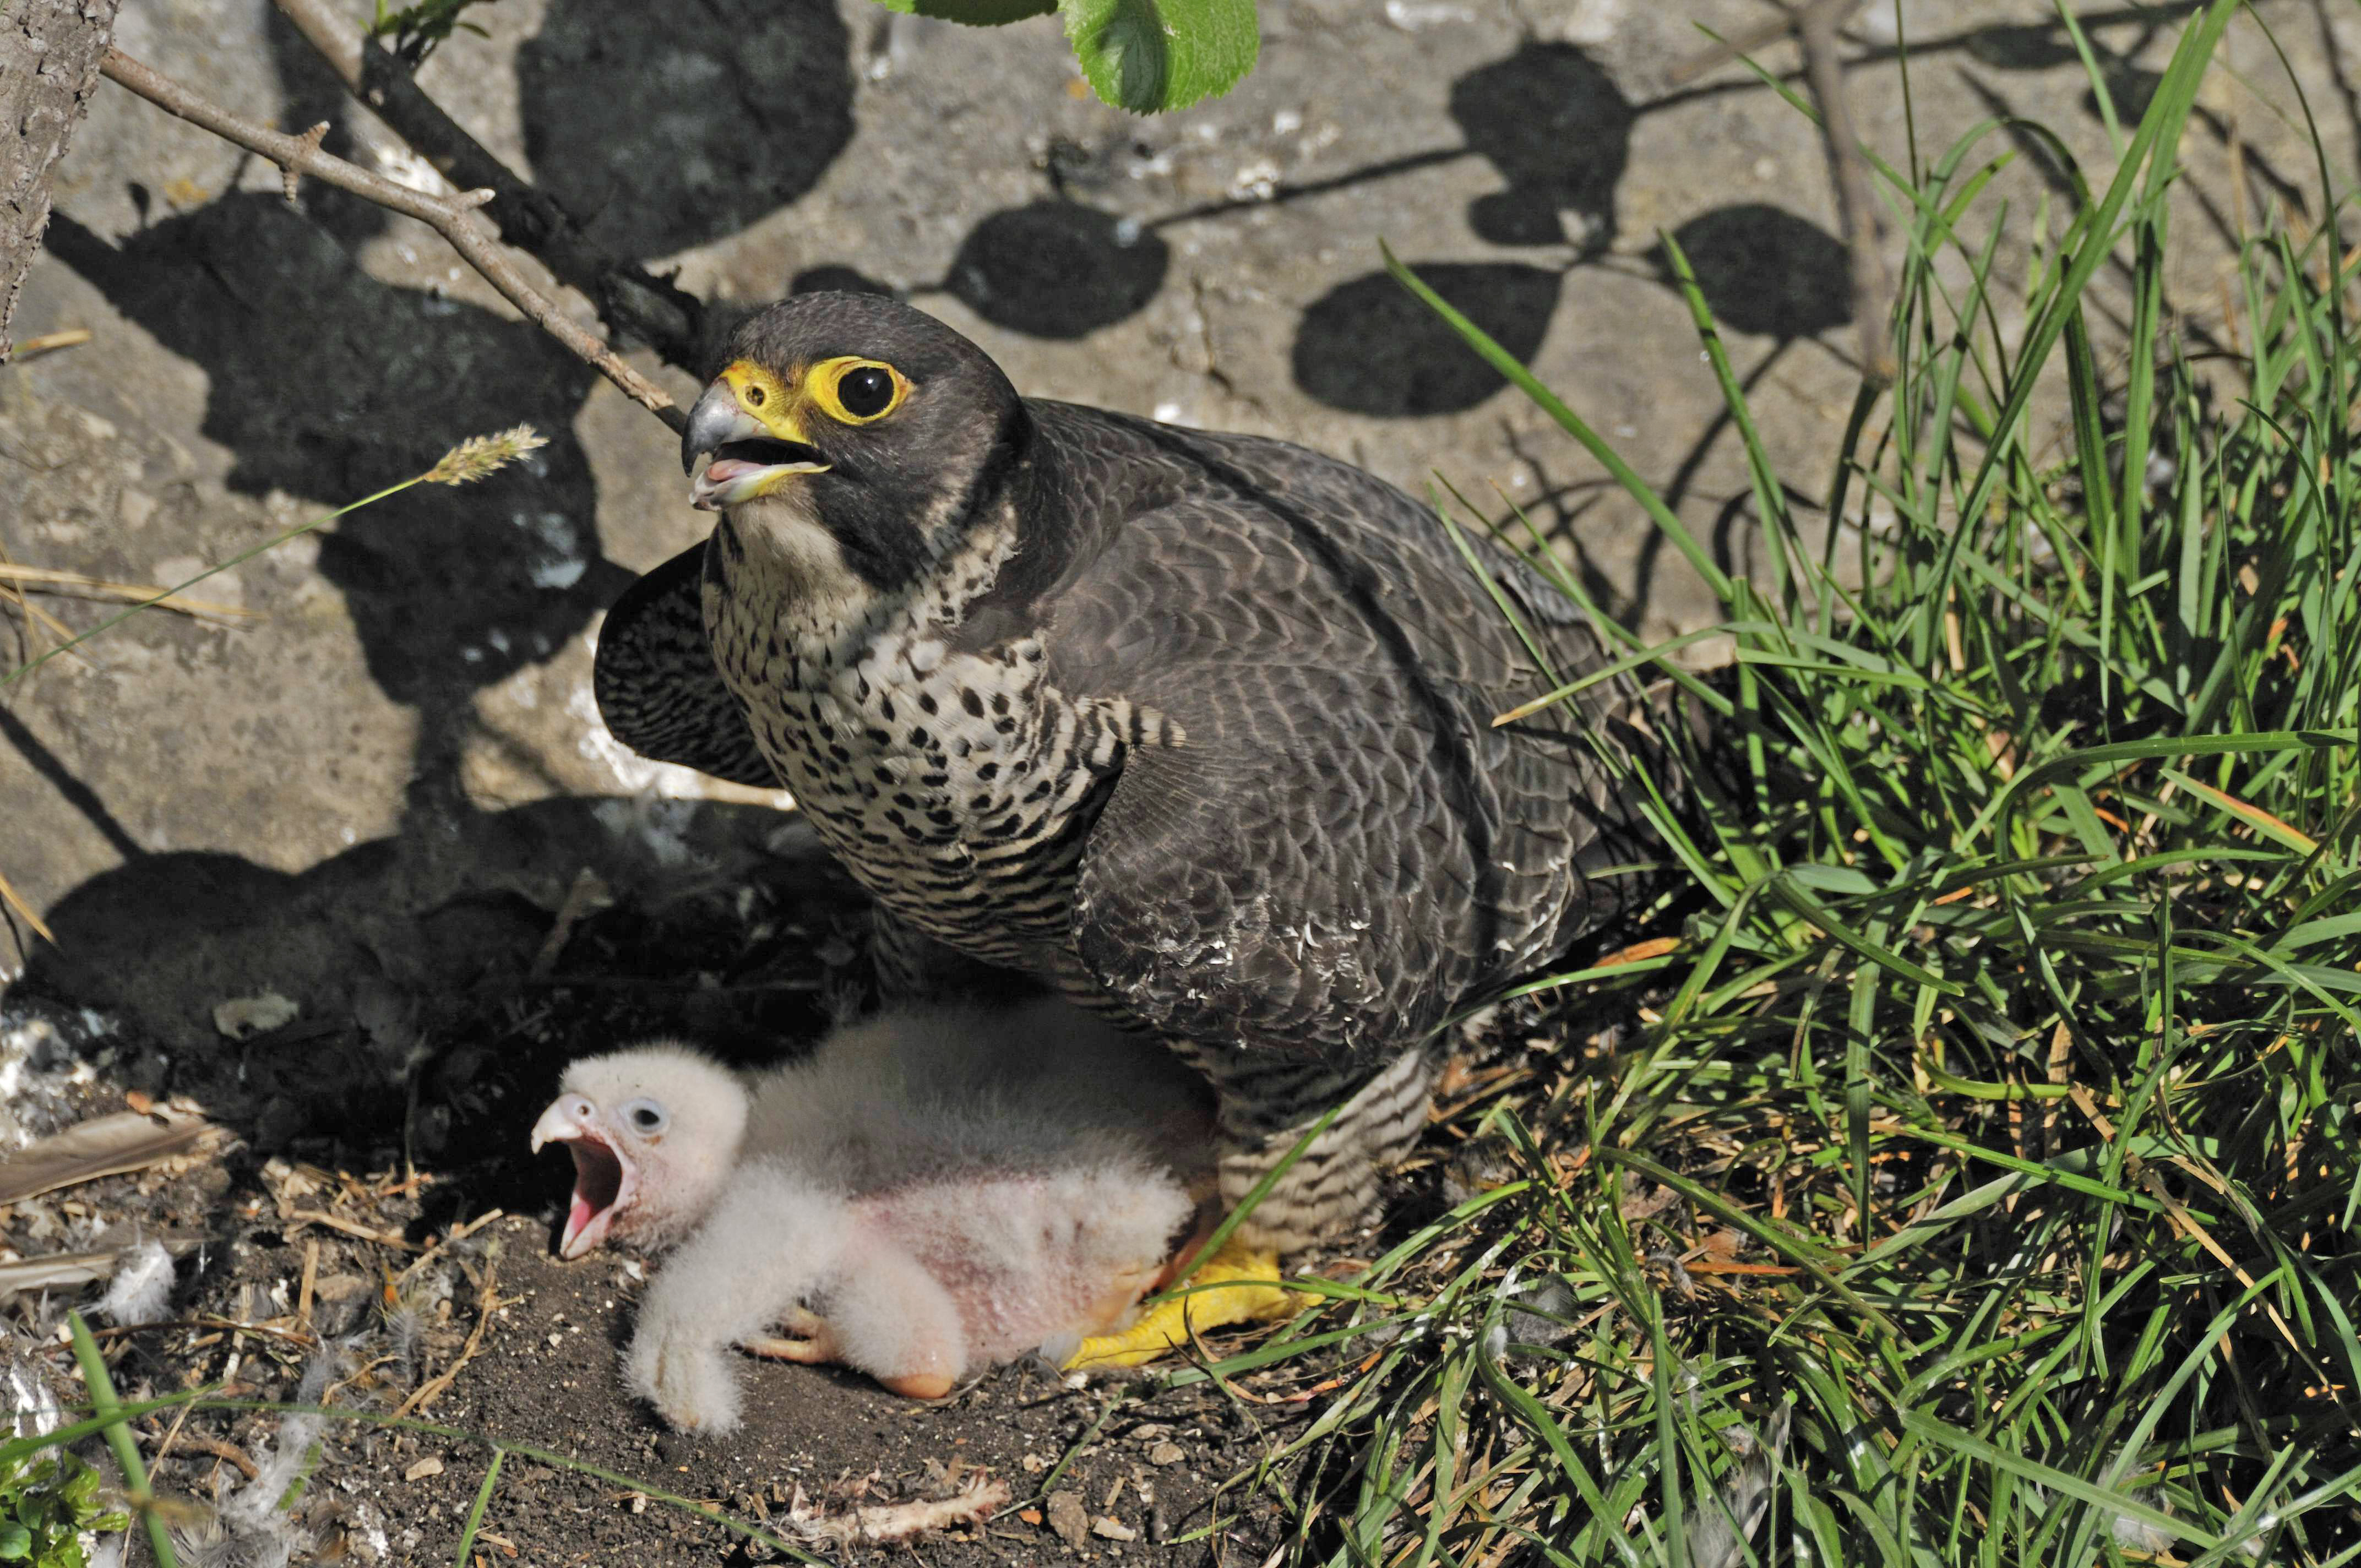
(745, 469)
(578, 1219)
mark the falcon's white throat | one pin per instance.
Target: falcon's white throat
(785, 539)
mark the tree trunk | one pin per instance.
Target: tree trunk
(49, 55)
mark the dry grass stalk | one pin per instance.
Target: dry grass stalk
(432, 1391)
(59, 579)
(50, 341)
(16, 900)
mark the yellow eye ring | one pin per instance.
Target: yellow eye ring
(854, 391)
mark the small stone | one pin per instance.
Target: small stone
(1068, 1520)
(280, 1121)
(242, 1017)
(1150, 1432)
(340, 1287)
(1167, 1454)
(1114, 1528)
(1033, 1464)
(225, 587)
(430, 1466)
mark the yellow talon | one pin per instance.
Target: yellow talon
(1236, 1285)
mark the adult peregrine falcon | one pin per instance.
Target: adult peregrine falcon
(1196, 726)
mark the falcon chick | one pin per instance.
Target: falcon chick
(925, 1194)
(654, 1132)
(909, 1094)
(1196, 726)
(917, 1285)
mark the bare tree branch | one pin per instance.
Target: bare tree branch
(1761, 35)
(50, 51)
(632, 300)
(453, 217)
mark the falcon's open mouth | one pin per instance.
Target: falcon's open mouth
(747, 444)
(602, 1185)
(741, 470)
(604, 1182)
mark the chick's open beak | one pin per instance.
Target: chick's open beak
(604, 1181)
(750, 453)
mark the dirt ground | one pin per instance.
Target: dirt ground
(373, 796)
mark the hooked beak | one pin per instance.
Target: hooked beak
(604, 1181)
(557, 1124)
(751, 456)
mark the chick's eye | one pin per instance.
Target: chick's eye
(645, 1116)
(865, 391)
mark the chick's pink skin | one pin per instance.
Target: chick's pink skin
(927, 1193)
(653, 1132)
(920, 1287)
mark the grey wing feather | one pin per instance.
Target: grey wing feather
(657, 684)
(1342, 848)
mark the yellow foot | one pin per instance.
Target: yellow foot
(810, 1340)
(1236, 1285)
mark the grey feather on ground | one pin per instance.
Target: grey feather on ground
(1722, 1523)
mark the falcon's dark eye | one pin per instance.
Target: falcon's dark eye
(865, 391)
(645, 1116)
(854, 391)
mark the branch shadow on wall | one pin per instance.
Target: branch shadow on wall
(661, 128)
(1057, 268)
(1558, 130)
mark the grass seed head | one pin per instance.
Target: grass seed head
(481, 456)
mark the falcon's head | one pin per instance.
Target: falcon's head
(851, 435)
(654, 1132)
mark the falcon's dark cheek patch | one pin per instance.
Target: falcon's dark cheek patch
(873, 524)
(885, 556)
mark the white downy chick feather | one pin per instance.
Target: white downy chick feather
(141, 1291)
(947, 1188)
(917, 1093)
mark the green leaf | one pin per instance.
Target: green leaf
(1149, 56)
(972, 12)
(15, 1541)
